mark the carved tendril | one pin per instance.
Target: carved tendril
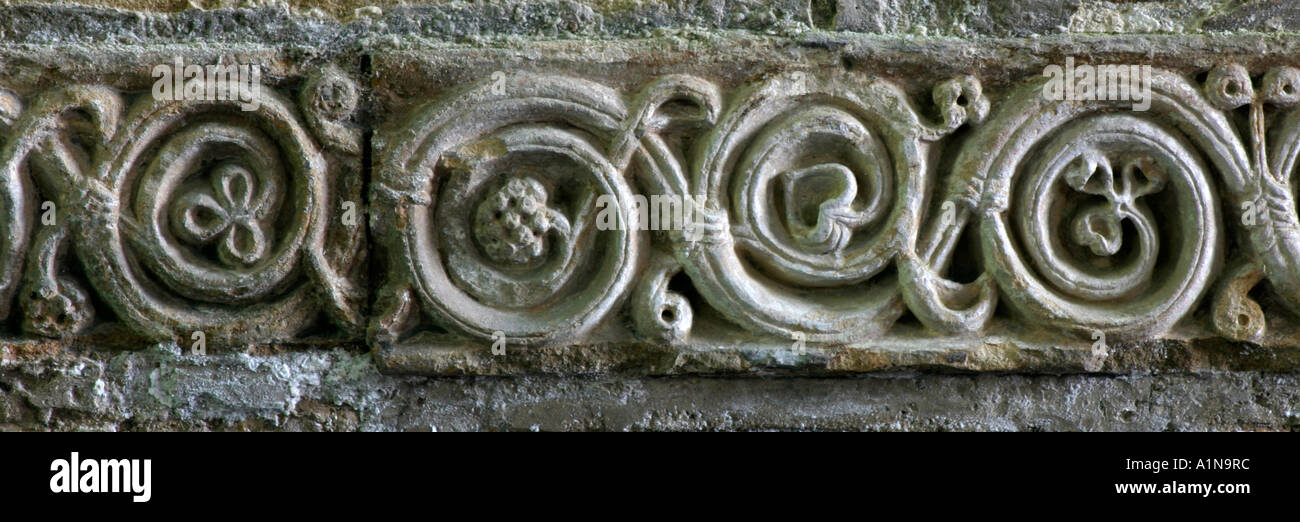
(53, 305)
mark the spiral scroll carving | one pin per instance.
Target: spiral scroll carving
(823, 207)
(495, 212)
(201, 216)
(1097, 219)
(822, 182)
(1082, 236)
(819, 213)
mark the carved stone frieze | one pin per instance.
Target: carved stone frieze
(448, 211)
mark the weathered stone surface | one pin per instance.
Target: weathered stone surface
(896, 229)
(729, 300)
(334, 23)
(341, 390)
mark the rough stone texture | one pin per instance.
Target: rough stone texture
(344, 21)
(340, 389)
(336, 351)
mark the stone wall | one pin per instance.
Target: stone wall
(393, 217)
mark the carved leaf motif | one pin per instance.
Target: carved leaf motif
(233, 214)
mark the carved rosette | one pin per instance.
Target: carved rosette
(488, 211)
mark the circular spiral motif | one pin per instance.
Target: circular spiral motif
(210, 198)
(1113, 225)
(822, 185)
(819, 185)
(505, 221)
(213, 212)
(1090, 183)
(507, 243)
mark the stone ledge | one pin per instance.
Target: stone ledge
(340, 390)
(453, 358)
